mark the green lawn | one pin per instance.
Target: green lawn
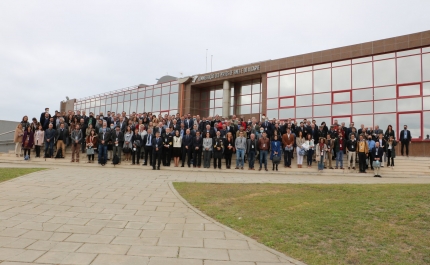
(10, 173)
(325, 224)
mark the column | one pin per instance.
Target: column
(226, 99)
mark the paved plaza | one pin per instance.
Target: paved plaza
(96, 215)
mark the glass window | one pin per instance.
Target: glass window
(148, 104)
(367, 120)
(148, 93)
(384, 56)
(244, 100)
(204, 95)
(289, 71)
(304, 100)
(165, 90)
(426, 49)
(218, 93)
(126, 97)
(384, 72)
(304, 83)
(133, 106)
(322, 66)
(362, 75)
(383, 120)
(426, 103)
(141, 94)
(245, 109)
(341, 63)
(256, 87)
(304, 112)
(413, 120)
(384, 92)
(218, 103)
(157, 91)
(341, 78)
(256, 108)
(133, 96)
(272, 74)
(165, 102)
(362, 107)
(322, 111)
(174, 88)
(341, 109)
(156, 103)
(342, 97)
(270, 114)
(140, 106)
(362, 94)
(346, 120)
(108, 100)
(245, 88)
(272, 103)
(409, 104)
(322, 81)
(303, 69)
(173, 101)
(426, 67)
(113, 107)
(385, 106)
(409, 69)
(413, 90)
(211, 104)
(287, 86)
(426, 88)
(127, 107)
(286, 102)
(120, 97)
(96, 110)
(97, 102)
(114, 99)
(408, 52)
(256, 98)
(120, 107)
(426, 125)
(362, 60)
(287, 113)
(320, 99)
(272, 87)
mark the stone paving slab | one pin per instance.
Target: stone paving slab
(95, 215)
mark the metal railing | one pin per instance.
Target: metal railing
(7, 132)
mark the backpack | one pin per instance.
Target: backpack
(115, 160)
(59, 153)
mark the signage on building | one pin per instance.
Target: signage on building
(237, 71)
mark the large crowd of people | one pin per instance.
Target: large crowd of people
(196, 141)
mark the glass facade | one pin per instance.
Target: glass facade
(160, 98)
(392, 88)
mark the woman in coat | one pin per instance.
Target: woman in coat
(17, 139)
(300, 140)
(275, 150)
(91, 142)
(389, 132)
(28, 141)
(390, 149)
(310, 142)
(128, 134)
(39, 138)
(177, 144)
(320, 149)
(229, 149)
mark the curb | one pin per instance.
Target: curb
(25, 175)
(275, 252)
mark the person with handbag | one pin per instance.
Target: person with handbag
(320, 153)
(377, 153)
(300, 140)
(275, 152)
(91, 143)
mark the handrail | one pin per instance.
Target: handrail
(7, 132)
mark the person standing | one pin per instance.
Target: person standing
(229, 149)
(76, 142)
(391, 151)
(382, 144)
(371, 144)
(351, 149)
(177, 144)
(320, 149)
(389, 132)
(27, 141)
(263, 146)
(187, 144)
(300, 140)
(136, 142)
(17, 139)
(339, 149)
(251, 150)
(49, 140)
(157, 145)
(128, 145)
(405, 140)
(311, 148)
(167, 147)
(118, 142)
(275, 150)
(240, 145)
(218, 150)
(147, 141)
(377, 153)
(288, 144)
(104, 139)
(207, 150)
(197, 149)
(91, 142)
(61, 138)
(363, 152)
(330, 145)
(39, 136)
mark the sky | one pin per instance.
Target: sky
(53, 49)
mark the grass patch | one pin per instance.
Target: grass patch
(10, 173)
(324, 224)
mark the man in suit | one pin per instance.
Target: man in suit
(118, 141)
(160, 129)
(157, 145)
(194, 130)
(104, 138)
(189, 122)
(405, 139)
(377, 153)
(122, 124)
(167, 147)
(210, 130)
(187, 145)
(43, 117)
(288, 140)
(147, 145)
(267, 127)
(197, 149)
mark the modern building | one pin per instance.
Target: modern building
(374, 83)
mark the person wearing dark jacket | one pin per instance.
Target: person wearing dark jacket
(218, 144)
(197, 150)
(157, 145)
(339, 149)
(117, 137)
(136, 142)
(76, 137)
(187, 145)
(351, 149)
(49, 140)
(147, 145)
(61, 138)
(377, 153)
(405, 139)
(28, 141)
(104, 138)
(382, 144)
(167, 147)
(44, 116)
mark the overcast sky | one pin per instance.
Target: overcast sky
(53, 49)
